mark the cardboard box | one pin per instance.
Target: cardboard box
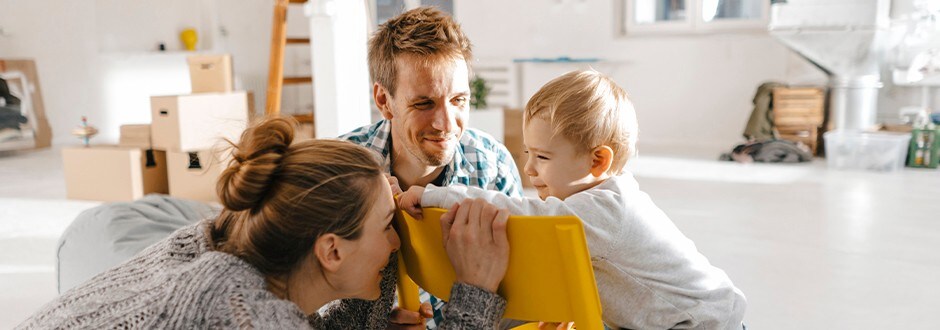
(113, 173)
(193, 175)
(304, 132)
(512, 139)
(198, 121)
(210, 73)
(137, 136)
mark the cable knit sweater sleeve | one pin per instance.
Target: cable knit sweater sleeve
(470, 307)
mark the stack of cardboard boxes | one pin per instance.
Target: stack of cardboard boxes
(181, 152)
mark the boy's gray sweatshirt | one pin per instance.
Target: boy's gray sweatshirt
(649, 275)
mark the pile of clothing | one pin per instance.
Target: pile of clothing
(770, 151)
(763, 145)
(11, 116)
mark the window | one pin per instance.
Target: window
(694, 16)
(385, 9)
(662, 11)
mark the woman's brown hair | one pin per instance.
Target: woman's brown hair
(280, 196)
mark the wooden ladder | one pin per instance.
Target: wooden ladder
(276, 79)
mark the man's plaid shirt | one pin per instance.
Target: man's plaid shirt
(479, 161)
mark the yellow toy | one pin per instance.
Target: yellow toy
(549, 279)
(189, 39)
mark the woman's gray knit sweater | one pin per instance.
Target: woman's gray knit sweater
(180, 283)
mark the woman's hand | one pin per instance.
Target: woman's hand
(410, 201)
(475, 239)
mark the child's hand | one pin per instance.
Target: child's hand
(410, 201)
(557, 326)
(404, 319)
(393, 183)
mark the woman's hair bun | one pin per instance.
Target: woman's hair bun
(256, 160)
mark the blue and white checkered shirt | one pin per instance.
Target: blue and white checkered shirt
(479, 161)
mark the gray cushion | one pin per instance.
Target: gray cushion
(107, 235)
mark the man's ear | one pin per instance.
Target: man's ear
(329, 252)
(382, 99)
(602, 158)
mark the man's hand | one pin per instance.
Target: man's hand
(405, 319)
(474, 233)
(410, 201)
(393, 183)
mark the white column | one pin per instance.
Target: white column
(341, 89)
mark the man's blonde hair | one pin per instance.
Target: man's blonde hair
(588, 109)
(423, 31)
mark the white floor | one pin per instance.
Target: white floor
(811, 248)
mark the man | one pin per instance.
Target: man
(419, 62)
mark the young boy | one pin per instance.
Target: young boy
(579, 130)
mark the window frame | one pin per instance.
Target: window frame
(693, 24)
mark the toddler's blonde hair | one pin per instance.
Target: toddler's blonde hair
(588, 109)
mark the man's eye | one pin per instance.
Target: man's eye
(460, 100)
(542, 157)
(424, 105)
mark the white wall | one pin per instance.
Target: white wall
(55, 34)
(340, 29)
(688, 89)
(75, 43)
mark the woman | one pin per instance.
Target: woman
(303, 224)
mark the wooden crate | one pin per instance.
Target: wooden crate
(799, 106)
(807, 134)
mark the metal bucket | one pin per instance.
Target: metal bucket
(853, 102)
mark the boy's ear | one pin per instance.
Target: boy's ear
(329, 251)
(601, 159)
(382, 99)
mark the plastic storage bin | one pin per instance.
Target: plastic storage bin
(873, 151)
